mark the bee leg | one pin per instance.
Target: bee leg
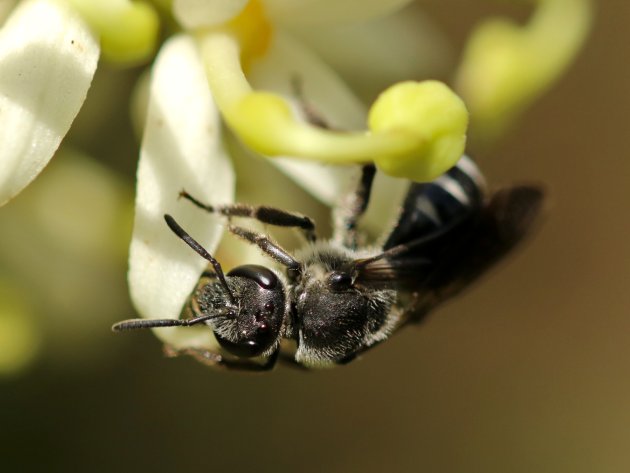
(268, 246)
(348, 359)
(289, 361)
(311, 115)
(353, 205)
(263, 214)
(217, 361)
(351, 208)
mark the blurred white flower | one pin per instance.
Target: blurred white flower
(48, 57)
(182, 144)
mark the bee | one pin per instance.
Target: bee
(336, 299)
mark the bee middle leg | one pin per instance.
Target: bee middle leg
(309, 112)
(352, 207)
(263, 214)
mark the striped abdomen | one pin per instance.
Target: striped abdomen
(430, 207)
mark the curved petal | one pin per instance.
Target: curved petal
(329, 11)
(181, 149)
(48, 57)
(383, 211)
(372, 55)
(287, 61)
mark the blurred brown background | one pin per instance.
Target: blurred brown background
(528, 372)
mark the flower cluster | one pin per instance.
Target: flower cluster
(234, 63)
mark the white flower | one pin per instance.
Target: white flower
(233, 65)
(196, 13)
(48, 57)
(181, 147)
(400, 142)
(182, 143)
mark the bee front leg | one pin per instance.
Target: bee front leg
(217, 361)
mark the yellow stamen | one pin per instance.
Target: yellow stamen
(417, 130)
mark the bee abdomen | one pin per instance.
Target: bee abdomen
(433, 205)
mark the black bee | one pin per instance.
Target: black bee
(336, 299)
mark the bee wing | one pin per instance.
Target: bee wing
(396, 273)
(438, 266)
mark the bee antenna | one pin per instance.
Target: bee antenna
(201, 251)
(133, 324)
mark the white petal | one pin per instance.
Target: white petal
(326, 183)
(47, 60)
(329, 11)
(332, 99)
(381, 215)
(181, 149)
(373, 55)
(196, 13)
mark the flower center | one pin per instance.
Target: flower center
(253, 31)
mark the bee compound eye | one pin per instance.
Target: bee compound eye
(244, 348)
(340, 281)
(264, 277)
(251, 342)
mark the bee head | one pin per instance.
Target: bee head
(252, 323)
